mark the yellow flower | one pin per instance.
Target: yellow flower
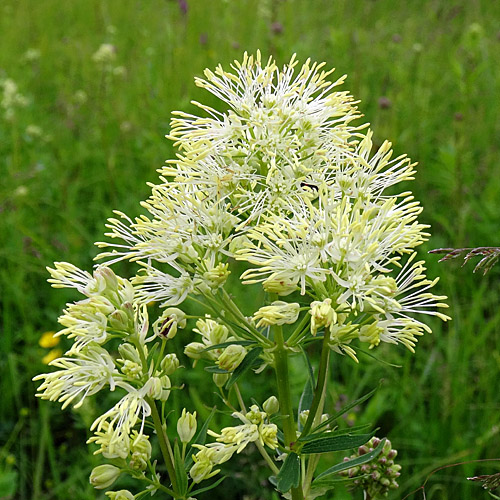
(48, 340)
(51, 355)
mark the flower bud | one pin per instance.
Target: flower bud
(120, 495)
(186, 426)
(216, 276)
(141, 444)
(138, 462)
(165, 388)
(304, 415)
(271, 405)
(194, 350)
(169, 364)
(282, 287)
(131, 369)
(103, 476)
(129, 352)
(278, 313)
(220, 379)
(323, 315)
(231, 357)
(106, 279)
(155, 387)
(118, 320)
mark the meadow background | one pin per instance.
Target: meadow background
(83, 137)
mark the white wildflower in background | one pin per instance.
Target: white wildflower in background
(11, 98)
(105, 54)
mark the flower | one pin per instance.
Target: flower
(105, 54)
(103, 476)
(186, 426)
(78, 378)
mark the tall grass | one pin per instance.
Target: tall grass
(428, 75)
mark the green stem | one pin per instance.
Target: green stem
(292, 340)
(284, 396)
(165, 447)
(234, 309)
(320, 386)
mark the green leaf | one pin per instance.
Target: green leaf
(207, 488)
(215, 369)
(363, 459)
(227, 344)
(335, 443)
(345, 409)
(338, 432)
(289, 475)
(180, 471)
(200, 438)
(244, 366)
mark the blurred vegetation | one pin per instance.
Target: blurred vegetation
(85, 136)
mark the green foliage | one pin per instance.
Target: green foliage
(438, 67)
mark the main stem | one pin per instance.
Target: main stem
(284, 396)
(165, 447)
(320, 386)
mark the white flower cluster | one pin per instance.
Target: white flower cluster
(255, 428)
(281, 184)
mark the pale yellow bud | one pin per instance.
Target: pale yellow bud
(103, 476)
(278, 313)
(231, 357)
(220, 379)
(132, 369)
(271, 405)
(120, 495)
(282, 287)
(169, 364)
(303, 416)
(141, 444)
(165, 388)
(217, 276)
(194, 350)
(323, 315)
(119, 320)
(186, 426)
(129, 352)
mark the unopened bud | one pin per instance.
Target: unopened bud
(141, 444)
(220, 379)
(278, 313)
(118, 320)
(271, 405)
(231, 358)
(323, 315)
(103, 476)
(282, 287)
(131, 369)
(106, 279)
(217, 276)
(169, 364)
(120, 495)
(129, 352)
(304, 415)
(194, 350)
(186, 426)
